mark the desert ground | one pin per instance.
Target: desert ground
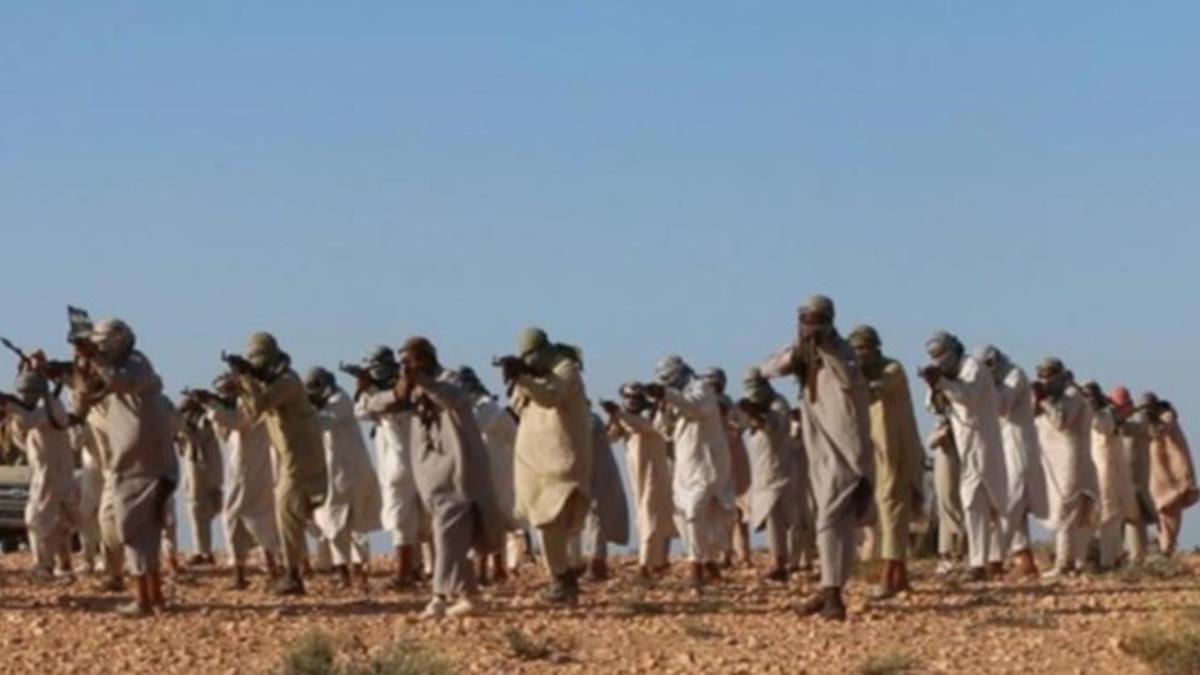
(1125, 622)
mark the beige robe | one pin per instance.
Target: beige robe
(1172, 475)
(1065, 433)
(898, 458)
(353, 502)
(649, 476)
(553, 452)
(53, 504)
(1118, 500)
(249, 509)
(499, 431)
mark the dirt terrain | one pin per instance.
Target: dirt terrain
(1077, 625)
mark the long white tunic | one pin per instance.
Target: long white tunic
(1022, 452)
(702, 469)
(1065, 431)
(499, 431)
(353, 501)
(772, 475)
(53, 493)
(974, 416)
(402, 513)
(1118, 500)
(649, 475)
(250, 499)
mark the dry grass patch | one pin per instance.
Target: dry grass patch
(317, 654)
(1167, 650)
(889, 664)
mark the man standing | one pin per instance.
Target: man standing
(1023, 458)
(607, 521)
(774, 499)
(38, 424)
(1117, 503)
(201, 453)
(702, 487)
(351, 509)
(450, 463)
(898, 456)
(140, 426)
(947, 478)
(271, 389)
(1064, 429)
(1135, 436)
(553, 452)
(375, 402)
(1172, 476)
(499, 429)
(739, 466)
(249, 509)
(968, 391)
(649, 476)
(837, 436)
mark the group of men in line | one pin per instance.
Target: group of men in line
(461, 480)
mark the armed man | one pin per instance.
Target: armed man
(1172, 474)
(204, 473)
(271, 389)
(739, 467)
(249, 510)
(553, 452)
(453, 478)
(967, 389)
(376, 403)
(352, 505)
(38, 423)
(835, 406)
(899, 457)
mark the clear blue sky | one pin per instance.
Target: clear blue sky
(638, 179)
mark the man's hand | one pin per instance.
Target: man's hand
(932, 375)
(654, 391)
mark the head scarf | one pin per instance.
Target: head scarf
(531, 340)
(716, 379)
(113, 338)
(262, 350)
(672, 370)
(865, 335)
(319, 382)
(945, 350)
(818, 304)
(757, 388)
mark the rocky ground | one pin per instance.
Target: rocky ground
(1078, 625)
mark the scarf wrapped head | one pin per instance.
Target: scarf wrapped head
(421, 347)
(715, 377)
(262, 350)
(531, 340)
(757, 388)
(673, 371)
(866, 336)
(471, 382)
(1121, 399)
(114, 340)
(381, 366)
(319, 382)
(945, 351)
(818, 304)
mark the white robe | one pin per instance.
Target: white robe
(772, 475)
(702, 468)
(499, 431)
(402, 514)
(353, 501)
(1065, 432)
(1022, 452)
(250, 499)
(974, 416)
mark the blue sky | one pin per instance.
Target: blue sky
(638, 179)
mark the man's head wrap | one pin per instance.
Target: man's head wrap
(261, 349)
(818, 304)
(865, 335)
(113, 338)
(716, 378)
(531, 340)
(319, 380)
(757, 387)
(944, 350)
(420, 346)
(672, 370)
(470, 380)
(1051, 368)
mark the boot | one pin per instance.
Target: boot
(817, 602)
(714, 571)
(598, 569)
(291, 585)
(141, 605)
(780, 574)
(404, 569)
(1024, 566)
(835, 607)
(886, 588)
(561, 593)
(901, 582)
(996, 570)
(696, 577)
(154, 588)
(499, 573)
(239, 578)
(343, 574)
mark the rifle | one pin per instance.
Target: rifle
(360, 373)
(24, 359)
(511, 367)
(238, 365)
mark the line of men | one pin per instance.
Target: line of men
(461, 479)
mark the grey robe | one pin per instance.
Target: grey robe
(140, 426)
(609, 511)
